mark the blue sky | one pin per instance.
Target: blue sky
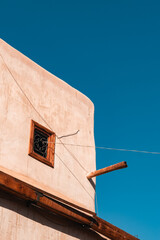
(110, 51)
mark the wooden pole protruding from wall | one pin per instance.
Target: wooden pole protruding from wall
(107, 169)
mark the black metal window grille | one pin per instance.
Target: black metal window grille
(40, 144)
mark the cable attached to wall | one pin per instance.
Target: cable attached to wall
(69, 135)
(48, 126)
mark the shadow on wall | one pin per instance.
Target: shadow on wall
(92, 183)
(37, 215)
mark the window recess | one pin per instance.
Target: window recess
(42, 144)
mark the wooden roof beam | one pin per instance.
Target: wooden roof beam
(28, 192)
(107, 169)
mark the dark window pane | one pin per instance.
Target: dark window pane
(40, 143)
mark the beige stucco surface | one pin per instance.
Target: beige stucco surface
(27, 91)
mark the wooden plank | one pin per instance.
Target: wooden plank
(65, 201)
(29, 193)
(45, 190)
(107, 169)
(112, 231)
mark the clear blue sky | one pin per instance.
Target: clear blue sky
(110, 51)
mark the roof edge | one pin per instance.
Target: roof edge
(27, 60)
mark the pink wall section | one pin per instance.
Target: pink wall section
(63, 108)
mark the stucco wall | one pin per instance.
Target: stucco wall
(65, 109)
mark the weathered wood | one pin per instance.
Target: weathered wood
(107, 169)
(49, 160)
(55, 196)
(27, 192)
(46, 190)
(111, 231)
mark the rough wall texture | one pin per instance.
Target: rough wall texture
(65, 109)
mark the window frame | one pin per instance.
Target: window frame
(49, 160)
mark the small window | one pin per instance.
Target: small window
(42, 144)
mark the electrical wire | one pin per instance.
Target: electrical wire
(65, 144)
(109, 148)
(72, 155)
(41, 115)
(74, 176)
(47, 125)
(96, 203)
(25, 94)
(105, 148)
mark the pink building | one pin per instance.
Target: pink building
(44, 190)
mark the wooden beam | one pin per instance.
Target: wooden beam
(39, 187)
(107, 169)
(27, 192)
